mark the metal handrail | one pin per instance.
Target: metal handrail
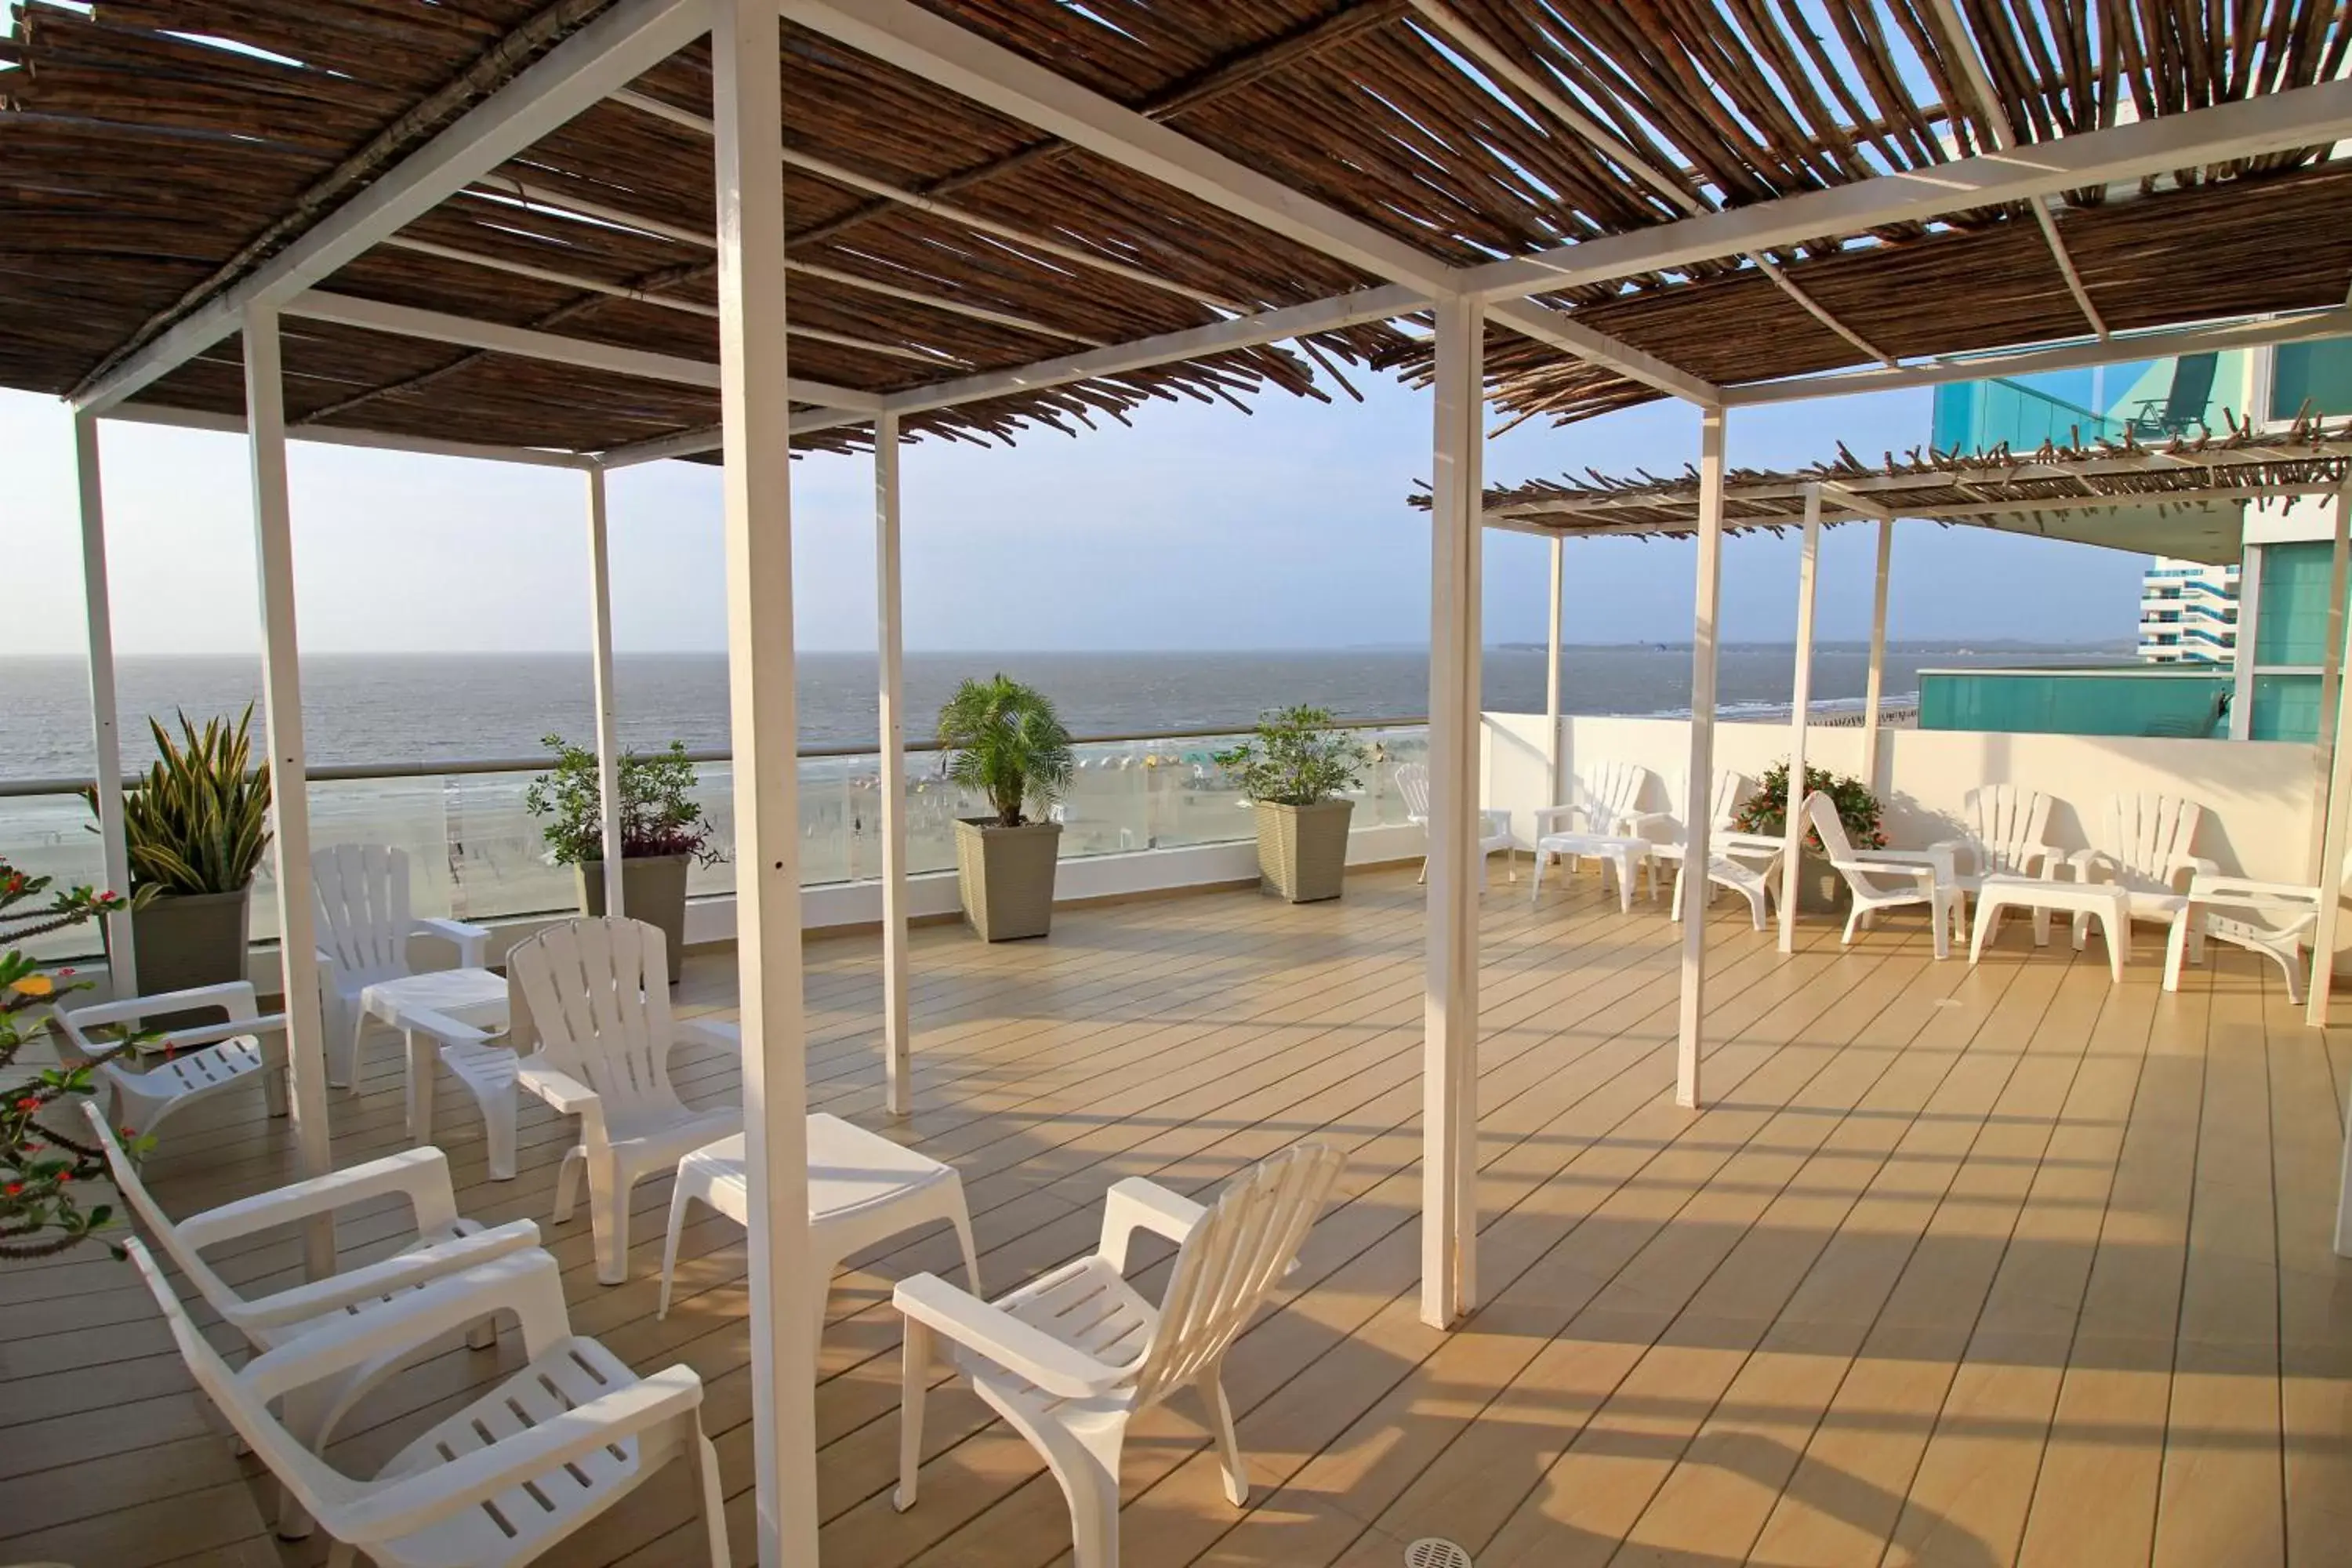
(343, 773)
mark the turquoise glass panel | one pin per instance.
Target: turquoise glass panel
(2319, 374)
(2054, 702)
(2286, 708)
(2292, 626)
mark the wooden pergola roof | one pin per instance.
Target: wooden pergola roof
(2186, 498)
(1677, 200)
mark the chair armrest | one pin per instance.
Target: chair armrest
(1134, 1203)
(214, 1034)
(1549, 818)
(420, 1174)
(1961, 852)
(1630, 824)
(673, 1393)
(1923, 870)
(235, 997)
(2084, 862)
(717, 1033)
(1724, 840)
(2278, 898)
(441, 1026)
(402, 1271)
(1061, 1369)
(472, 941)
(2195, 865)
(567, 1094)
(1497, 820)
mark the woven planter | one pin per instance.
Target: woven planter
(1302, 850)
(1006, 876)
(653, 889)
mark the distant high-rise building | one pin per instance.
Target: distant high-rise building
(2188, 612)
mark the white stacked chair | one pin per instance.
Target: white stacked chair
(1884, 880)
(360, 895)
(1494, 826)
(497, 1484)
(2149, 851)
(1746, 863)
(182, 1067)
(1071, 1358)
(595, 994)
(2007, 836)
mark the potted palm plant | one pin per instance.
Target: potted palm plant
(664, 832)
(195, 827)
(1820, 890)
(1293, 770)
(1007, 744)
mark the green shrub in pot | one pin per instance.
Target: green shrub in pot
(664, 831)
(1007, 744)
(1295, 770)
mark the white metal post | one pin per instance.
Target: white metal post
(608, 730)
(1449, 1219)
(2243, 655)
(281, 697)
(891, 634)
(2336, 813)
(1800, 699)
(1874, 688)
(2331, 667)
(1553, 751)
(105, 737)
(1700, 789)
(755, 405)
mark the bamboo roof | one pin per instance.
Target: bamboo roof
(2185, 497)
(154, 152)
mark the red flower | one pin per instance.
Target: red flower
(128, 1130)
(30, 1102)
(14, 1189)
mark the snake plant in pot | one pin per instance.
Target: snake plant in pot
(195, 827)
(1007, 744)
(1294, 771)
(664, 832)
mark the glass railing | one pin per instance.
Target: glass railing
(475, 853)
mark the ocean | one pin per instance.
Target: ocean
(409, 708)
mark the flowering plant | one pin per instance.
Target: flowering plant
(41, 1211)
(1767, 811)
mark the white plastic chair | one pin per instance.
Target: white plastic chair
(2006, 837)
(189, 1065)
(497, 1484)
(596, 996)
(441, 1243)
(1494, 826)
(2149, 848)
(360, 895)
(2274, 918)
(1888, 878)
(1605, 799)
(1746, 863)
(1072, 1357)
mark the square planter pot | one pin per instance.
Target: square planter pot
(1820, 890)
(186, 940)
(653, 889)
(1006, 876)
(1302, 850)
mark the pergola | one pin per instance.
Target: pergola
(592, 233)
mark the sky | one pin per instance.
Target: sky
(1197, 527)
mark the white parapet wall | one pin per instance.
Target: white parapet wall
(2258, 795)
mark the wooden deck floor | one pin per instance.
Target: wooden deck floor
(1958, 1267)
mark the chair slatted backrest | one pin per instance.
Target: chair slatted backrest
(1231, 1261)
(2148, 833)
(1821, 812)
(322, 1491)
(361, 894)
(158, 1224)
(598, 994)
(1730, 793)
(1413, 782)
(1613, 791)
(2008, 822)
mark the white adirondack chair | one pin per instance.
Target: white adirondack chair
(497, 1484)
(2274, 918)
(361, 894)
(2007, 828)
(2149, 849)
(1606, 799)
(1888, 878)
(442, 1244)
(1075, 1355)
(596, 996)
(182, 1067)
(1494, 826)
(1746, 863)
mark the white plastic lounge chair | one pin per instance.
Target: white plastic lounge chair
(497, 1484)
(1072, 1357)
(2148, 849)
(182, 1066)
(442, 1245)
(597, 993)
(1888, 878)
(1494, 826)
(360, 895)
(2274, 918)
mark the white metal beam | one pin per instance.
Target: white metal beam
(746, 86)
(1875, 686)
(2271, 123)
(524, 342)
(1562, 331)
(622, 44)
(2241, 662)
(1557, 785)
(1698, 791)
(1800, 703)
(890, 636)
(337, 436)
(608, 725)
(106, 738)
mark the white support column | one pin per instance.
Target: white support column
(106, 737)
(1449, 1129)
(891, 634)
(1552, 750)
(608, 732)
(1700, 789)
(2335, 815)
(756, 409)
(1801, 699)
(1875, 689)
(2242, 657)
(2331, 666)
(281, 696)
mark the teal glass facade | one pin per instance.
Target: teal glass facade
(2318, 374)
(2132, 699)
(2150, 400)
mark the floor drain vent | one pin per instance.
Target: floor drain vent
(1430, 1551)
